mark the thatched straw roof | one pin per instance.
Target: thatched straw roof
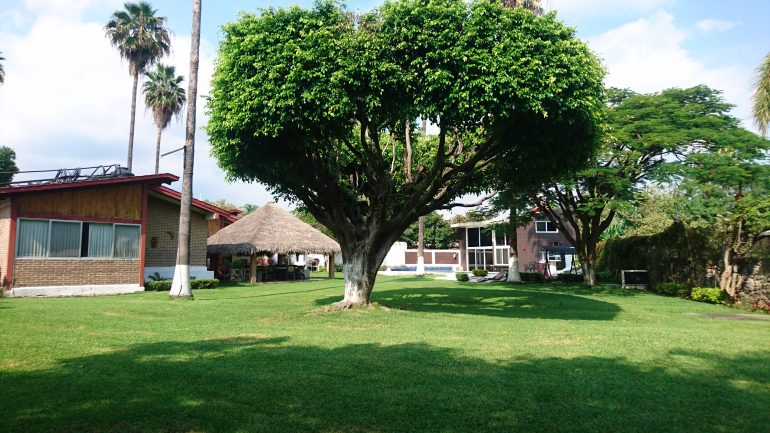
(270, 229)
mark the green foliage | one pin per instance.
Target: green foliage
(532, 277)
(608, 277)
(711, 295)
(438, 234)
(671, 289)
(165, 285)
(761, 97)
(480, 272)
(8, 166)
(239, 264)
(303, 214)
(569, 278)
(155, 276)
(139, 35)
(462, 276)
(163, 94)
(222, 204)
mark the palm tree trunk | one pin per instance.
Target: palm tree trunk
(180, 286)
(157, 152)
(130, 158)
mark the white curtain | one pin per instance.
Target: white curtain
(126, 241)
(65, 239)
(32, 238)
(100, 240)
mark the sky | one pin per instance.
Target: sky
(67, 94)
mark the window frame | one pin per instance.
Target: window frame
(80, 240)
(547, 223)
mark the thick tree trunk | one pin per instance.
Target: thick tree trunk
(157, 152)
(180, 286)
(420, 247)
(130, 159)
(731, 277)
(589, 270)
(362, 260)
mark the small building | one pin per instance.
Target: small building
(96, 236)
(485, 245)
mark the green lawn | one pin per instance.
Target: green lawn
(443, 357)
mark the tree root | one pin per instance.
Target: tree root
(345, 305)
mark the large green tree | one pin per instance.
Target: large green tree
(8, 166)
(165, 97)
(437, 233)
(322, 106)
(142, 39)
(645, 133)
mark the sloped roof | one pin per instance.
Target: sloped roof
(270, 229)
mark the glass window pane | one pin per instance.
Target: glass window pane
(502, 256)
(489, 257)
(126, 241)
(471, 259)
(486, 237)
(32, 238)
(473, 237)
(500, 237)
(100, 240)
(65, 239)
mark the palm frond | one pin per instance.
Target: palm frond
(163, 94)
(139, 35)
(761, 96)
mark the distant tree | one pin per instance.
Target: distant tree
(303, 214)
(222, 203)
(249, 208)
(642, 132)
(8, 166)
(2, 70)
(437, 233)
(322, 113)
(762, 96)
(165, 97)
(142, 39)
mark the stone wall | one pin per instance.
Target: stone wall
(755, 289)
(31, 272)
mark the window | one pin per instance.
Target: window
(501, 256)
(486, 237)
(545, 227)
(552, 256)
(51, 238)
(500, 237)
(473, 237)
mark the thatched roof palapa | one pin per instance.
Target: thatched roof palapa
(270, 229)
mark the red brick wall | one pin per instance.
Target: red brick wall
(162, 232)
(446, 258)
(29, 272)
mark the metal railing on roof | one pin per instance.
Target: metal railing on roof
(69, 175)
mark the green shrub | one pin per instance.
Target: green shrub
(337, 268)
(480, 272)
(608, 277)
(671, 289)
(461, 276)
(711, 295)
(383, 268)
(569, 278)
(532, 277)
(165, 285)
(239, 264)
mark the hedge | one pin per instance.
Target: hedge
(462, 276)
(532, 277)
(711, 295)
(480, 272)
(165, 285)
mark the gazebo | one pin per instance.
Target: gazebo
(270, 229)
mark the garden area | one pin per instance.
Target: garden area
(431, 356)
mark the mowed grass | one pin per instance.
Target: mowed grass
(442, 357)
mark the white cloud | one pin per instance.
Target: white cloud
(67, 95)
(712, 25)
(648, 55)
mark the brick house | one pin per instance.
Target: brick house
(484, 244)
(101, 236)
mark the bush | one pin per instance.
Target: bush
(671, 289)
(569, 278)
(480, 272)
(711, 295)
(608, 277)
(337, 268)
(461, 276)
(532, 277)
(165, 285)
(383, 268)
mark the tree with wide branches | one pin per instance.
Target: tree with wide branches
(142, 39)
(165, 97)
(323, 105)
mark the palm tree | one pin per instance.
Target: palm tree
(164, 96)
(762, 96)
(180, 285)
(2, 71)
(531, 5)
(142, 39)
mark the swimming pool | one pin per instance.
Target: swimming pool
(427, 268)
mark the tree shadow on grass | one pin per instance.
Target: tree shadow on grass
(494, 301)
(254, 385)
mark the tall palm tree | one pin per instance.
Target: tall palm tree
(164, 96)
(762, 96)
(2, 71)
(142, 39)
(180, 285)
(531, 5)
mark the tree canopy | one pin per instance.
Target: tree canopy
(8, 166)
(438, 233)
(321, 105)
